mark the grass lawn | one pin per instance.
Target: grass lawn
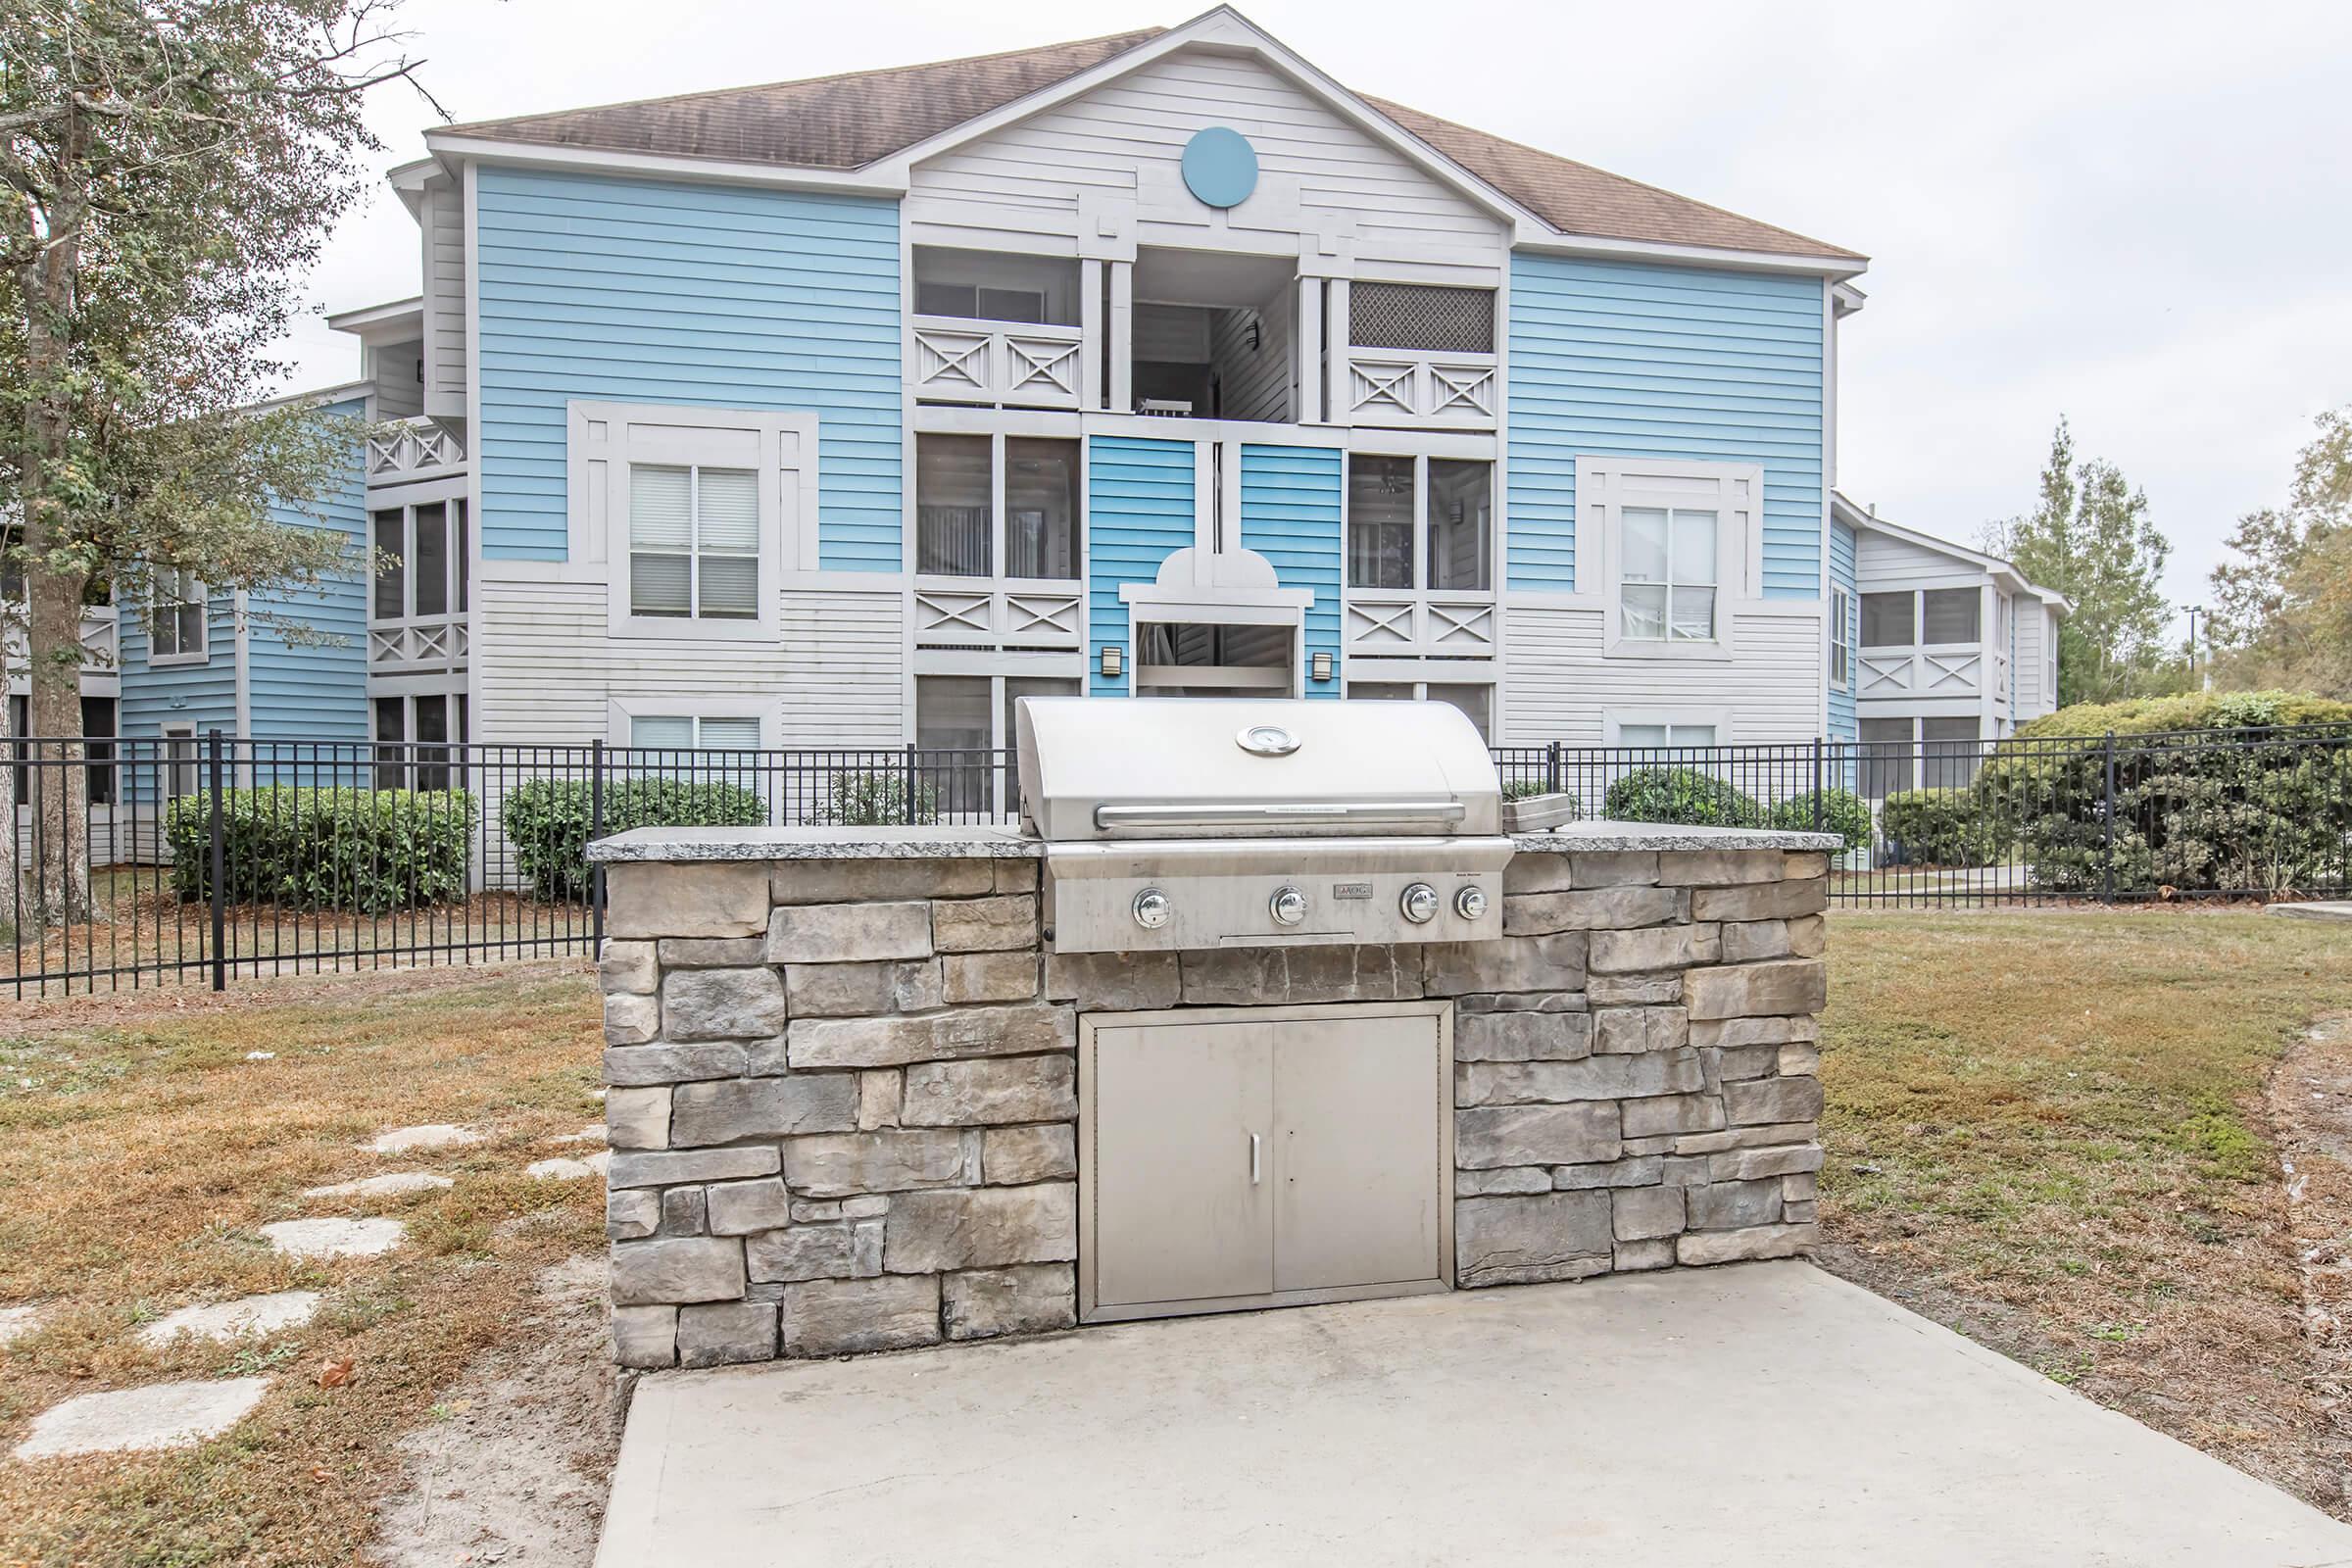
(2050, 1130)
(140, 1152)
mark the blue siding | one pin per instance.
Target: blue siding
(1626, 360)
(641, 292)
(317, 691)
(1842, 576)
(1139, 509)
(204, 694)
(1291, 514)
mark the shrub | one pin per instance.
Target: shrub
(1683, 795)
(367, 850)
(545, 821)
(876, 798)
(2213, 792)
(1521, 789)
(1957, 827)
(1843, 812)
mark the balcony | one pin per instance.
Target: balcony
(1419, 390)
(1945, 669)
(419, 448)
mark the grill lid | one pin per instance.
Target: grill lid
(1190, 767)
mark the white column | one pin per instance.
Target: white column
(1122, 337)
(1309, 339)
(1336, 400)
(1090, 332)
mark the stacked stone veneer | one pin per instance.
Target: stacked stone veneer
(842, 1092)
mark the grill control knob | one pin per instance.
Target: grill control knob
(1419, 904)
(1153, 909)
(1289, 907)
(1470, 902)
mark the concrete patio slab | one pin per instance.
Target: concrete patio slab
(1762, 1414)
(2327, 910)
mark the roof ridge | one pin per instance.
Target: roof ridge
(1139, 36)
(1385, 104)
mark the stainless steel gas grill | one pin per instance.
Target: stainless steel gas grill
(1184, 823)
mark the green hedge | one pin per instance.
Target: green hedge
(1843, 812)
(545, 821)
(1956, 827)
(1681, 794)
(2212, 793)
(367, 850)
(875, 798)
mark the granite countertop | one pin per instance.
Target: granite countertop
(981, 841)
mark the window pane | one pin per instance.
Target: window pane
(1649, 736)
(1886, 753)
(950, 505)
(1040, 508)
(1462, 525)
(666, 731)
(464, 551)
(944, 299)
(432, 560)
(1644, 544)
(738, 734)
(1645, 612)
(432, 725)
(1949, 752)
(1379, 522)
(659, 506)
(1476, 700)
(390, 596)
(390, 720)
(191, 627)
(728, 511)
(1690, 734)
(1886, 621)
(657, 585)
(1012, 305)
(950, 711)
(730, 588)
(1950, 614)
(1694, 547)
(1694, 615)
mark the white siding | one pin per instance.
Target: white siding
(1257, 383)
(1124, 140)
(392, 370)
(1559, 686)
(444, 225)
(1882, 560)
(548, 667)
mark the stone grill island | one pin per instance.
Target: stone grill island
(847, 1112)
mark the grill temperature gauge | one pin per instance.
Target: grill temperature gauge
(1153, 909)
(1419, 904)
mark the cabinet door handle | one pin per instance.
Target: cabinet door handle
(1253, 1159)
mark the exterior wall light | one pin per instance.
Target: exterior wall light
(1112, 661)
(1321, 664)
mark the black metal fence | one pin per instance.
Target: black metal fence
(207, 858)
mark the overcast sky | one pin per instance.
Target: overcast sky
(2135, 215)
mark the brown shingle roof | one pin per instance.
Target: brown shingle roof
(846, 122)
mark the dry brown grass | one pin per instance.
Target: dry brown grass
(140, 1152)
(2049, 1129)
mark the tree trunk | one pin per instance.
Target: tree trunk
(53, 588)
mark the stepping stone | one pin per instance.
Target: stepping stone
(334, 1237)
(17, 1322)
(568, 1170)
(432, 1135)
(256, 1317)
(390, 1185)
(593, 1133)
(162, 1415)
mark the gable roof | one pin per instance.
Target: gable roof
(848, 122)
(1859, 517)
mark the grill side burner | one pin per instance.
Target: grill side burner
(1186, 823)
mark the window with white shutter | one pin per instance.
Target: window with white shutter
(1669, 548)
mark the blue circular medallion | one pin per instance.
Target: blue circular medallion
(1220, 167)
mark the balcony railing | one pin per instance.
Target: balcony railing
(958, 361)
(1419, 388)
(980, 611)
(418, 644)
(421, 447)
(1420, 626)
(1947, 670)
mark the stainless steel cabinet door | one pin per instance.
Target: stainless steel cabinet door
(1357, 1138)
(1183, 1205)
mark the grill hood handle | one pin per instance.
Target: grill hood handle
(1275, 813)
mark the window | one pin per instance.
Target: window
(1887, 620)
(1446, 504)
(990, 286)
(694, 542)
(951, 720)
(1476, 700)
(1841, 629)
(179, 760)
(954, 507)
(97, 735)
(1885, 755)
(421, 566)
(414, 738)
(1667, 590)
(1949, 615)
(175, 618)
(1949, 753)
(695, 732)
(1661, 737)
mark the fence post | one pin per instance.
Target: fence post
(1817, 804)
(2107, 875)
(596, 830)
(217, 850)
(1551, 768)
(908, 813)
